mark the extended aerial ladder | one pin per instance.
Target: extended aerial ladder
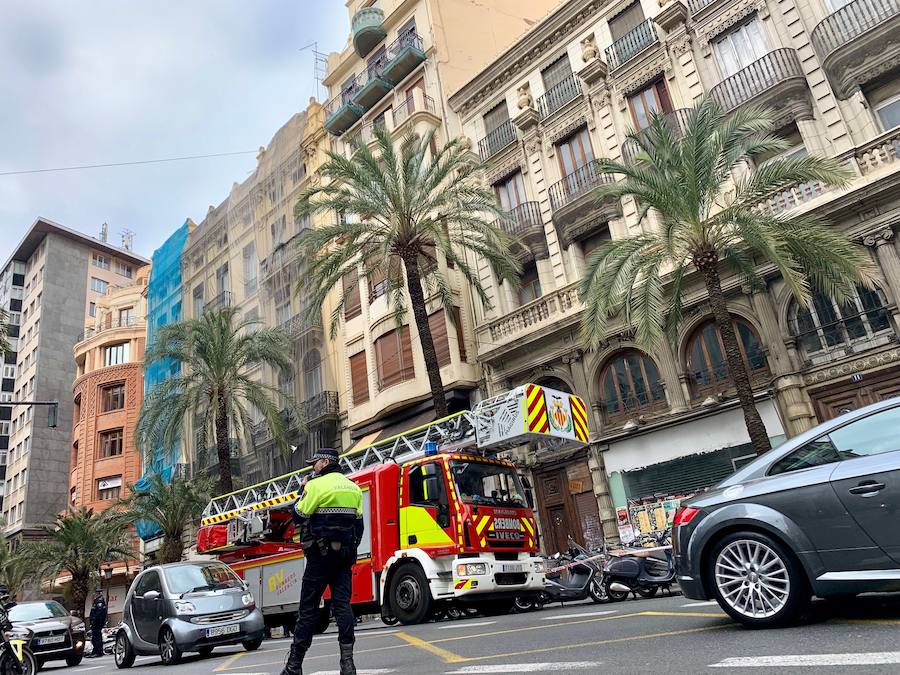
(527, 413)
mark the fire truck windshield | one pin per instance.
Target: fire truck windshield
(487, 484)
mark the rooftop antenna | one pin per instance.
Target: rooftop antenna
(104, 232)
(320, 65)
(127, 239)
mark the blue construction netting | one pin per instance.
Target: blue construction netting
(163, 306)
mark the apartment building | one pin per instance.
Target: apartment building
(67, 275)
(12, 281)
(244, 254)
(401, 62)
(666, 424)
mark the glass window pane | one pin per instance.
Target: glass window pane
(871, 435)
(874, 308)
(820, 451)
(889, 114)
(718, 371)
(756, 359)
(806, 332)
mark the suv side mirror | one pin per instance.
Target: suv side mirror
(151, 595)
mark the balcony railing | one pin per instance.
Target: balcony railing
(109, 325)
(558, 95)
(849, 22)
(577, 183)
(497, 139)
(760, 76)
(221, 301)
(368, 29)
(631, 44)
(698, 5)
(411, 105)
(300, 324)
(521, 219)
(537, 314)
(676, 122)
(320, 405)
(404, 54)
(343, 98)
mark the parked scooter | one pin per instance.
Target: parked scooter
(639, 573)
(581, 577)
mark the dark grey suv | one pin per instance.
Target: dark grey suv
(819, 515)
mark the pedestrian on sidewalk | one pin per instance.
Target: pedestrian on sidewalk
(98, 621)
(329, 519)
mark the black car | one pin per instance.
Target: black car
(57, 634)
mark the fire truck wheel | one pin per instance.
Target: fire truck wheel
(410, 595)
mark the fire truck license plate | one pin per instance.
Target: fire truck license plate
(512, 569)
(223, 630)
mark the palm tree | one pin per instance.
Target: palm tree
(705, 188)
(410, 206)
(216, 353)
(4, 332)
(172, 506)
(79, 544)
(15, 568)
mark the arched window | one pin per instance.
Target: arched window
(555, 383)
(312, 373)
(630, 384)
(825, 328)
(706, 357)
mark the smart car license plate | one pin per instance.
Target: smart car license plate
(223, 630)
(512, 569)
(51, 640)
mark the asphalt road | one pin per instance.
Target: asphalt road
(668, 634)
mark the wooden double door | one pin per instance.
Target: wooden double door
(567, 507)
(834, 400)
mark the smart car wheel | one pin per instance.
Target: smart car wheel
(169, 651)
(756, 581)
(252, 645)
(123, 652)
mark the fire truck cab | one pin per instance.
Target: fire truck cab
(446, 520)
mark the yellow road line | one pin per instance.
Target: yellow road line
(701, 614)
(227, 662)
(443, 654)
(598, 643)
(868, 622)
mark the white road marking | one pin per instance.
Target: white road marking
(81, 670)
(794, 660)
(527, 668)
(466, 624)
(371, 671)
(557, 617)
(707, 603)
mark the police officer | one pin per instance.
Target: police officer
(329, 519)
(98, 621)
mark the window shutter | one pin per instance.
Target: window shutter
(407, 372)
(626, 21)
(352, 300)
(457, 321)
(437, 324)
(359, 378)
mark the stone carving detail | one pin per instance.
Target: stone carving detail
(501, 172)
(565, 127)
(881, 238)
(525, 98)
(680, 44)
(532, 145)
(850, 367)
(725, 20)
(464, 142)
(589, 50)
(654, 68)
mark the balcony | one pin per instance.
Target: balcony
(374, 89)
(109, 325)
(775, 81)
(552, 311)
(300, 325)
(414, 102)
(527, 226)
(321, 405)
(558, 95)
(340, 112)
(676, 122)
(853, 43)
(221, 301)
(368, 29)
(284, 253)
(497, 139)
(631, 44)
(576, 211)
(403, 55)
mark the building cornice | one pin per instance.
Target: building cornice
(557, 28)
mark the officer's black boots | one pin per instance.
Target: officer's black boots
(347, 666)
(294, 663)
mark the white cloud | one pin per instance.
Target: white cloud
(120, 80)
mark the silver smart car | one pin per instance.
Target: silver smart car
(186, 607)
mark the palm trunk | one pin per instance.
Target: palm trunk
(171, 549)
(79, 594)
(420, 313)
(223, 446)
(759, 437)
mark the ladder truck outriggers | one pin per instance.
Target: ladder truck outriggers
(446, 520)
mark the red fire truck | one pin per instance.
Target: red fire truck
(447, 521)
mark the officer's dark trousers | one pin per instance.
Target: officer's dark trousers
(333, 570)
(97, 638)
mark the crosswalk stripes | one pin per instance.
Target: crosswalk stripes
(800, 660)
(527, 668)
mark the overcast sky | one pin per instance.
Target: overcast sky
(99, 81)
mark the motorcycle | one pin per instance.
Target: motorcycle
(16, 657)
(577, 575)
(640, 573)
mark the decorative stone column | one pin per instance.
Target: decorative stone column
(889, 262)
(668, 366)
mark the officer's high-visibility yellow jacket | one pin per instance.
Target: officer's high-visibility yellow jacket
(332, 508)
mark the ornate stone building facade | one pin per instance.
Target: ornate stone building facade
(667, 423)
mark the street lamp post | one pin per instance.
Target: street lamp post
(107, 576)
